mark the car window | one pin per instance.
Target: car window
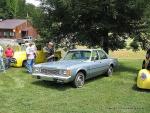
(102, 55)
(28, 37)
(95, 55)
(78, 55)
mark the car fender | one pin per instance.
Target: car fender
(113, 61)
(20, 56)
(143, 83)
(81, 69)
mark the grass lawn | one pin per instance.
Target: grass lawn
(128, 54)
(20, 93)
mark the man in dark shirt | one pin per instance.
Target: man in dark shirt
(146, 62)
(49, 50)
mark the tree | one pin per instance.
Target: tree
(142, 38)
(102, 23)
(22, 9)
(12, 6)
(3, 9)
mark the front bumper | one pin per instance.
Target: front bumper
(143, 84)
(59, 79)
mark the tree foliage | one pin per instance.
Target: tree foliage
(12, 6)
(18, 9)
(100, 23)
(3, 9)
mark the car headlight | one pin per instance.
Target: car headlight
(36, 70)
(66, 72)
(143, 76)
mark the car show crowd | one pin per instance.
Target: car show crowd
(7, 54)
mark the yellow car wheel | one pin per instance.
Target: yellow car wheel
(24, 63)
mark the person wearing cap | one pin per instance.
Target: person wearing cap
(2, 65)
(49, 50)
(30, 57)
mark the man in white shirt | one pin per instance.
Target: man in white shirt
(30, 51)
(2, 66)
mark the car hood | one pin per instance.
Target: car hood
(18, 54)
(63, 64)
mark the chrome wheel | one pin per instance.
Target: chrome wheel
(110, 71)
(79, 80)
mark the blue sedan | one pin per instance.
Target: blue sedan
(77, 66)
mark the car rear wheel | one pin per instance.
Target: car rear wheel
(24, 63)
(109, 71)
(79, 80)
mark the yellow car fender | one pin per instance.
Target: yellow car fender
(19, 57)
(143, 79)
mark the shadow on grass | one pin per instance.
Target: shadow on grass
(61, 86)
(122, 68)
(135, 88)
(53, 85)
(95, 78)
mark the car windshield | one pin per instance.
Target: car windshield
(78, 55)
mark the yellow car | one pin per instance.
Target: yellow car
(19, 59)
(143, 79)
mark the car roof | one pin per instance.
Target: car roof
(84, 49)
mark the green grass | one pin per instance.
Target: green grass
(128, 54)
(20, 93)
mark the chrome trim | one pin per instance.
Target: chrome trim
(52, 77)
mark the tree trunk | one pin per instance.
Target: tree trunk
(106, 42)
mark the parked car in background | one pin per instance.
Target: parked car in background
(143, 79)
(28, 38)
(77, 66)
(19, 59)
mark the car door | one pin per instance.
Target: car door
(104, 61)
(95, 65)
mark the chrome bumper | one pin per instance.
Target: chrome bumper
(60, 79)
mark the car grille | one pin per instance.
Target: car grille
(50, 71)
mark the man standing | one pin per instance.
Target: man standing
(146, 62)
(30, 51)
(49, 50)
(9, 52)
(2, 66)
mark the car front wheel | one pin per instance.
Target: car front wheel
(79, 80)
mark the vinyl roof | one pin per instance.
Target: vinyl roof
(11, 23)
